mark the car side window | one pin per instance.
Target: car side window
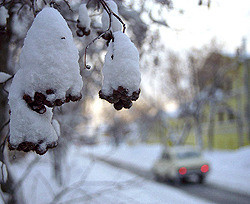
(165, 156)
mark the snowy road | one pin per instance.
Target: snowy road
(209, 192)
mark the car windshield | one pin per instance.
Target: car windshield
(187, 155)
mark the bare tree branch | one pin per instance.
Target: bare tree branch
(26, 172)
(164, 23)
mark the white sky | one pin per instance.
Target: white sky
(227, 20)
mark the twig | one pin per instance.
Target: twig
(66, 2)
(88, 170)
(74, 185)
(4, 83)
(4, 142)
(157, 21)
(2, 197)
(5, 124)
(1, 4)
(104, 190)
(110, 13)
(2, 172)
(33, 7)
(8, 79)
(73, 21)
(45, 182)
(55, 5)
(5, 139)
(20, 9)
(26, 173)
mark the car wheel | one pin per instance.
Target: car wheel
(158, 178)
(183, 180)
(178, 181)
(201, 179)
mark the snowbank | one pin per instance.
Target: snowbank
(230, 169)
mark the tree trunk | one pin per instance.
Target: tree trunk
(57, 157)
(239, 126)
(198, 133)
(247, 94)
(185, 132)
(239, 123)
(211, 125)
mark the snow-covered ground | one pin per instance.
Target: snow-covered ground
(229, 169)
(88, 181)
(92, 181)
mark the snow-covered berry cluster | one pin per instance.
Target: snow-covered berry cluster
(121, 74)
(83, 22)
(48, 76)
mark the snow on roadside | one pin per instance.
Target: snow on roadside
(229, 169)
(141, 155)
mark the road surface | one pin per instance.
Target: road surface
(206, 191)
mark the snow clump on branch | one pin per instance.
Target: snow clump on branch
(83, 22)
(4, 77)
(49, 76)
(3, 18)
(121, 72)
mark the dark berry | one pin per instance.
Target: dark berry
(48, 103)
(67, 99)
(39, 98)
(42, 110)
(118, 105)
(58, 102)
(79, 33)
(75, 98)
(127, 104)
(27, 98)
(86, 32)
(49, 91)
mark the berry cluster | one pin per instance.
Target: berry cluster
(120, 98)
(40, 101)
(81, 31)
(30, 146)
